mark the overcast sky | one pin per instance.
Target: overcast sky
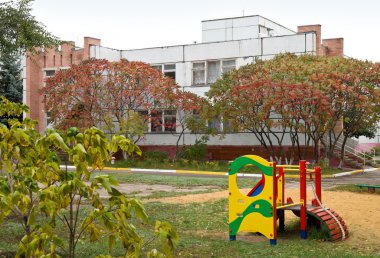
(131, 24)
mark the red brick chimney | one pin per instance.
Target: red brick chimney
(313, 28)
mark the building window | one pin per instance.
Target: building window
(157, 67)
(213, 71)
(210, 71)
(228, 65)
(144, 114)
(156, 121)
(48, 120)
(199, 71)
(170, 120)
(167, 69)
(163, 120)
(215, 124)
(49, 73)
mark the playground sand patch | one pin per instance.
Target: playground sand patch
(143, 190)
(361, 212)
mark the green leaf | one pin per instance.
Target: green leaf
(32, 216)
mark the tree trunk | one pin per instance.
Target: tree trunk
(341, 161)
(71, 229)
(177, 144)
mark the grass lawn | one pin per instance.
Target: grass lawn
(203, 233)
(353, 188)
(215, 166)
(203, 228)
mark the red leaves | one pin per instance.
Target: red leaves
(102, 88)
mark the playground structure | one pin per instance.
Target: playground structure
(259, 210)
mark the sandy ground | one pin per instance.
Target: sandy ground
(361, 212)
(142, 190)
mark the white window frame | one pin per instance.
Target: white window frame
(162, 116)
(163, 68)
(206, 69)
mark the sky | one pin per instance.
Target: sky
(133, 24)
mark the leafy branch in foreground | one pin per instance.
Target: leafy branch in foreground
(35, 190)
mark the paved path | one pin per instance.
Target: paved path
(371, 178)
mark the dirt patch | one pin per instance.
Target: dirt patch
(361, 212)
(142, 190)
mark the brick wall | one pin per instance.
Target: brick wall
(333, 47)
(53, 59)
(318, 30)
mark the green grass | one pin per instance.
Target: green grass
(203, 233)
(214, 166)
(178, 181)
(353, 188)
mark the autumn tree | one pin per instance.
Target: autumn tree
(133, 92)
(120, 96)
(291, 96)
(192, 115)
(72, 95)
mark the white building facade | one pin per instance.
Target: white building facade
(226, 44)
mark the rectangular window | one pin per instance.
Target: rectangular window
(145, 118)
(157, 67)
(210, 71)
(169, 70)
(163, 120)
(228, 65)
(156, 121)
(49, 73)
(215, 124)
(47, 119)
(170, 120)
(199, 73)
(228, 126)
(213, 71)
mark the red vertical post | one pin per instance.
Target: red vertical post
(318, 187)
(303, 227)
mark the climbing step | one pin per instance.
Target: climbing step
(334, 230)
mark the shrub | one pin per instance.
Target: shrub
(156, 156)
(193, 152)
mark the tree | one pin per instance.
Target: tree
(121, 96)
(289, 96)
(20, 31)
(133, 92)
(191, 116)
(33, 184)
(10, 80)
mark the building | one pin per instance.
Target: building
(226, 44)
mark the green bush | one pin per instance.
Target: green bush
(193, 152)
(156, 156)
(377, 151)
